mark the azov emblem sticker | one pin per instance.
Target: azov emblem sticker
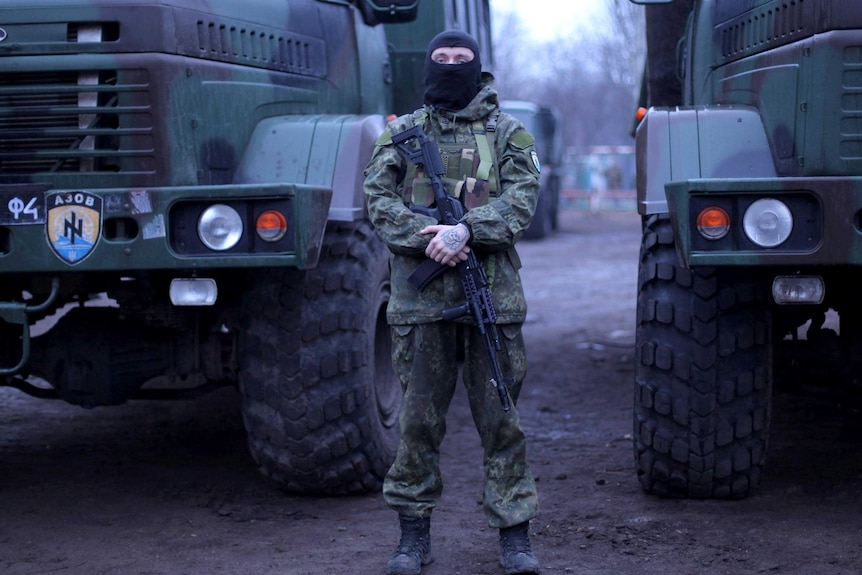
(74, 220)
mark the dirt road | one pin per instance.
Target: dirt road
(169, 489)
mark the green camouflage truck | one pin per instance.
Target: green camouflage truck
(748, 174)
(181, 205)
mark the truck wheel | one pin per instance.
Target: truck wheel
(703, 377)
(320, 397)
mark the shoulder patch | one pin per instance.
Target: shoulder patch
(535, 157)
(522, 139)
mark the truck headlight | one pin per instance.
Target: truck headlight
(767, 222)
(220, 227)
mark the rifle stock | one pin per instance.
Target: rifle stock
(415, 145)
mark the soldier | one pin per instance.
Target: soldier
(493, 168)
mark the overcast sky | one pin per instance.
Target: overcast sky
(546, 19)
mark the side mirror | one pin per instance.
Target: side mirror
(376, 12)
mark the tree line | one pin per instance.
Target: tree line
(592, 78)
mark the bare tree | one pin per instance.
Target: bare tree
(592, 79)
(513, 51)
(622, 53)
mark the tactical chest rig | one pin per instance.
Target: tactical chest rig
(472, 174)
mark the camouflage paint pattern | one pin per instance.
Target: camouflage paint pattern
(138, 106)
(120, 121)
(791, 73)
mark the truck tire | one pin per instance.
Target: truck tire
(702, 394)
(320, 397)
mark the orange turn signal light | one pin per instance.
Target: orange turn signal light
(713, 223)
(271, 225)
(641, 112)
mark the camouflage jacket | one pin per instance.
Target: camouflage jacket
(495, 226)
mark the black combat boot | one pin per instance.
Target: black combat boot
(516, 557)
(414, 549)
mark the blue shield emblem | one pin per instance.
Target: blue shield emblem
(74, 224)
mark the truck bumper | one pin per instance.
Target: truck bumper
(50, 230)
(826, 225)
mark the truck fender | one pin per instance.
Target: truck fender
(676, 144)
(318, 150)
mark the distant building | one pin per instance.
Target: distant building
(599, 177)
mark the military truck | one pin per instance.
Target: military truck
(749, 162)
(544, 124)
(181, 209)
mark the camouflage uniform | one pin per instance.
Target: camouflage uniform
(425, 348)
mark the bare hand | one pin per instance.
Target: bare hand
(449, 245)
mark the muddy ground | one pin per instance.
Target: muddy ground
(161, 488)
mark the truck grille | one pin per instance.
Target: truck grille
(850, 104)
(774, 24)
(75, 121)
(264, 48)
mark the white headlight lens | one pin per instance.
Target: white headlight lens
(767, 222)
(220, 227)
(798, 289)
(193, 291)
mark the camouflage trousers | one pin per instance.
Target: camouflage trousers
(425, 357)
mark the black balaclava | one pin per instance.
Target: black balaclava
(452, 86)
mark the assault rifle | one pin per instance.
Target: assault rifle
(417, 147)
